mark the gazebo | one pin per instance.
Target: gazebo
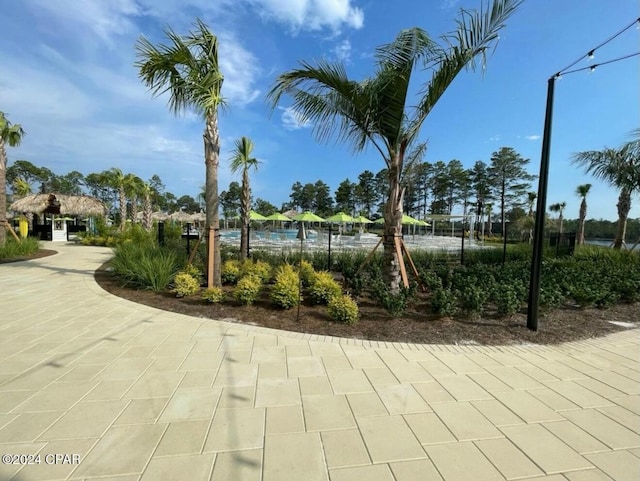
(55, 205)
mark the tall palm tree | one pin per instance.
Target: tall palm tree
(11, 135)
(242, 161)
(559, 209)
(375, 111)
(582, 191)
(117, 180)
(619, 168)
(188, 70)
(146, 191)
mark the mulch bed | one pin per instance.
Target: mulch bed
(36, 255)
(560, 325)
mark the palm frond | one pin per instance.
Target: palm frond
(476, 32)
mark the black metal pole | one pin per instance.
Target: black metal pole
(329, 262)
(248, 236)
(541, 208)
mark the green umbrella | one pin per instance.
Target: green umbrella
(379, 221)
(308, 217)
(339, 218)
(362, 220)
(253, 215)
(278, 216)
(408, 220)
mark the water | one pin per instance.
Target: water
(599, 242)
(290, 234)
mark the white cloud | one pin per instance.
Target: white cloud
(532, 137)
(449, 4)
(343, 51)
(312, 14)
(241, 70)
(495, 138)
(291, 120)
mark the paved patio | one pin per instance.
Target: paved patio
(141, 394)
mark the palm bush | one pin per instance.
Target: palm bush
(23, 247)
(144, 267)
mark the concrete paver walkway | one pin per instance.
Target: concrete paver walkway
(130, 393)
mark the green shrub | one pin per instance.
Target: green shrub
(307, 273)
(194, 272)
(444, 302)
(285, 291)
(260, 269)
(230, 272)
(213, 295)
(343, 309)
(506, 299)
(144, 267)
(473, 298)
(247, 289)
(430, 279)
(323, 288)
(395, 304)
(185, 285)
(14, 248)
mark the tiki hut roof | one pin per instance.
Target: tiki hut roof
(180, 216)
(59, 204)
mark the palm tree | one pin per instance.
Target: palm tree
(243, 161)
(117, 180)
(531, 198)
(11, 135)
(559, 208)
(187, 68)
(133, 188)
(375, 111)
(582, 191)
(619, 168)
(147, 209)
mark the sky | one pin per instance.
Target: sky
(67, 75)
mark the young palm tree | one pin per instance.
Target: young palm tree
(375, 111)
(582, 191)
(188, 70)
(559, 209)
(117, 180)
(11, 135)
(619, 168)
(133, 189)
(242, 161)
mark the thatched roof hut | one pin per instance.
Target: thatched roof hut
(59, 204)
(180, 216)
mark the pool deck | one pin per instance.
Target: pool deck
(132, 393)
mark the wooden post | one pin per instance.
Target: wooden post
(211, 244)
(413, 266)
(403, 269)
(10, 229)
(369, 256)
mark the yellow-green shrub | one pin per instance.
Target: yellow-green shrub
(247, 289)
(259, 269)
(307, 273)
(344, 309)
(230, 271)
(213, 295)
(194, 272)
(284, 292)
(323, 288)
(185, 285)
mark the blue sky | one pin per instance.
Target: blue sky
(67, 76)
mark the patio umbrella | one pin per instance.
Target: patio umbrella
(253, 215)
(278, 216)
(379, 221)
(339, 218)
(408, 220)
(308, 217)
(362, 220)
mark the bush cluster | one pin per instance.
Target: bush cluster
(323, 288)
(185, 285)
(144, 267)
(343, 309)
(247, 289)
(14, 248)
(230, 272)
(213, 295)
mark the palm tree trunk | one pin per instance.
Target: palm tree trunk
(3, 193)
(583, 215)
(244, 212)
(624, 206)
(134, 209)
(212, 162)
(146, 216)
(392, 228)
(561, 219)
(122, 200)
